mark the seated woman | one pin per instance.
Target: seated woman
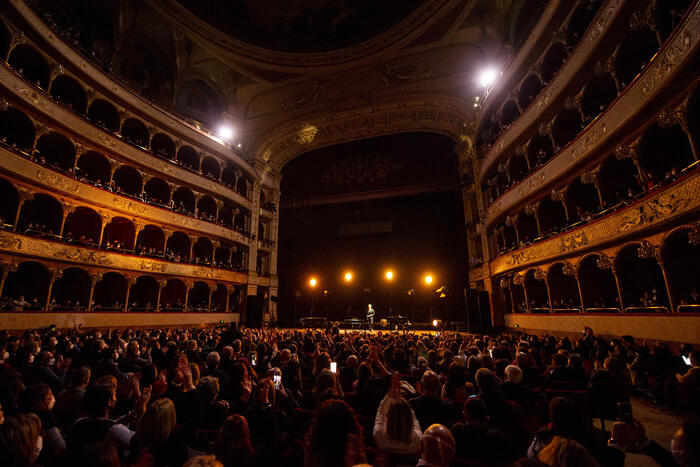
(396, 428)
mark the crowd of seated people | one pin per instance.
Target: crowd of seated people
(269, 397)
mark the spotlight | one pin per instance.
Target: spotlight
(239, 145)
(225, 132)
(348, 277)
(428, 279)
(435, 323)
(487, 77)
(389, 275)
(313, 282)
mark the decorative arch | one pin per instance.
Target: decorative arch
(531, 87)
(163, 145)
(540, 150)
(56, 150)
(68, 91)
(634, 53)
(553, 60)
(566, 126)
(83, 226)
(143, 295)
(110, 292)
(198, 299)
(105, 115)
(561, 278)
(580, 20)
(203, 251)
(151, 241)
(95, 167)
(662, 150)
(71, 291)
(128, 180)
(41, 214)
(30, 281)
(178, 247)
(599, 93)
(9, 203)
(31, 64)
(537, 295)
(16, 129)
(184, 201)
(172, 296)
(552, 216)
(206, 207)
(157, 190)
(618, 180)
(680, 253)
(211, 168)
(119, 234)
(641, 278)
(188, 158)
(598, 284)
(135, 131)
(509, 113)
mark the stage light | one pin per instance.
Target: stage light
(487, 77)
(313, 282)
(348, 277)
(435, 323)
(225, 132)
(239, 145)
(389, 275)
(428, 279)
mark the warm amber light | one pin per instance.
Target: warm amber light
(428, 279)
(313, 282)
(348, 277)
(435, 322)
(389, 275)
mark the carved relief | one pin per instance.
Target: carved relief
(10, 242)
(155, 266)
(361, 169)
(573, 241)
(84, 256)
(56, 180)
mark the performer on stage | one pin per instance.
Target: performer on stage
(370, 316)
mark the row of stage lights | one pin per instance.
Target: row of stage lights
(388, 275)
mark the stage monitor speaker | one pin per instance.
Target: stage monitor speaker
(254, 316)
(478, 311)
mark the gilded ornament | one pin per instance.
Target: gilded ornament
(10, 242)
(154, 266)
(84, 255)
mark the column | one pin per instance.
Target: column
(191, 250)
(23, 195)
(105, 220)
(94, 279)
(510, 292)
(54, 274)
(7, 268)
(549, 293)
(253, 229)
(667, 283)
(214, 246)
(619, 290)
(211, 292)
(188, 286)
(527, 301)
(228, 298)
(161, 284)
(167, 234)
(580, 292)
(67, 209)
(130, 281)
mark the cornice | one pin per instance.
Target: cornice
(116, 91)
(234, 50)
(46, 250)
(681, 198)
(649, 85)
(84, 130)
(95, 198)
(586, 47)
(413, 113)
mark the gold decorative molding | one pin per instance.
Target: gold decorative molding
(678, 199)
(46, 250)
(666, 65)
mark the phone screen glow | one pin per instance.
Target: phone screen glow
(334, 367)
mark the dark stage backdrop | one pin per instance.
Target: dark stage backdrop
(324, 234)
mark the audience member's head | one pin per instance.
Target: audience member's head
(335, 437)
(565, 452)
(233, 447)
(430, 384)
(20, 440)
(513, 374)
(437, 446)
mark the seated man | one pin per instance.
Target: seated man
(428, 407)
(437, 447)
(476, 440)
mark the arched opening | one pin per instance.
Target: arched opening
(202, 251)
(151, 241)
(143, 295)
(162, 145)
(104, 114)
(598, 284)
(517, 167)
(110, 293)
(502, 296)
(668, 14)
(83, 226)
(580, 20)
(55, 150)
(242, 187)
(551, 215)
(228, 177)
(564, 288)
(172, 296)
(509, 237)
(634, 53)
(183, 201)
(518, 292)
(41, 214)
(664, 152)
(128, 180)
(94, 167)
(222, 257)
(540, 150)
(29, 285)
(641, 281)
(157, 191)
(598, 95)
(16, 129)
(5, 40)
(553, 60)
(29, 63)
(582, 200)
(565, 127)
(618, 180)
(238, 255)
(211, 168)
(188, 158)
(198, 299)
(537, 291)
(218, 299)
(66, 90)
(177, 248)
(527, 227)
(119, 235)
(9, 202)
(529, 90)
(509, 113)
(226, 216)
(71, 291)
(135, 132)
(206, 208)
(680, 252)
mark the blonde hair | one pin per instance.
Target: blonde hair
(156, 424)
(564, 452)
(203, 461)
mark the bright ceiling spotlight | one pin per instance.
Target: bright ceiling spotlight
(348, 277)
(239, 145)
(225, 132)
(389, 275)
(313, 282)
(435, 323)
(428, 279)
(487, 77)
